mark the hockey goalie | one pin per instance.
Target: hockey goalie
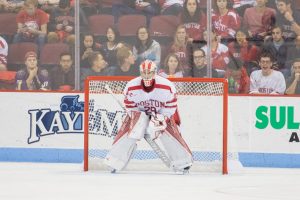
(151, 107)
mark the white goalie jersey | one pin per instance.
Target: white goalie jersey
(160, 100)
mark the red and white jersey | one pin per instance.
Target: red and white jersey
(226, 25)
(3, 51)
(161, 99)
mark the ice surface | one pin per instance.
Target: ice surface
(39, 181)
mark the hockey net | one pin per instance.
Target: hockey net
(202, 105)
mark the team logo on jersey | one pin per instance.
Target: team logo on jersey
(69, 119)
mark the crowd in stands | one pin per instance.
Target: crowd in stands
(255, 44)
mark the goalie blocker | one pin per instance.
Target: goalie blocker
(151, 105)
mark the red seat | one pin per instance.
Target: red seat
(98, 24)
(8, 23)
(7, 80)
(163, 26)
(7, 76)
(16, 54)
(50, 53)
(129, 24)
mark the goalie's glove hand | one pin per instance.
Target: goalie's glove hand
(157, 125)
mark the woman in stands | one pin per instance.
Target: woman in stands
(181, 46)
(225, 20)
(193, 19)
(111, 45)
(146, 48)
(172, 67)
(87, 47)
(244, 50)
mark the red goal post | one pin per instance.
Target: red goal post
(207, 137)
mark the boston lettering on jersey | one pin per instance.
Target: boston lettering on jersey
(152, 103)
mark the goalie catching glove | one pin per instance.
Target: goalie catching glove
(157, 125)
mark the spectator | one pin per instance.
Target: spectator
(3, 54)
(62, 20)
(180, 46)
(171, 7)
(63, 76)
(267, 80)
(32, 24)
(244, 50)
(148, 8)
(288, 18)
(241, 5)
(225, 20)
(278, 48)
(172, 68)
(258, 20)
(11, 6)
(238, 79)
(98, 67)
(293, 83)
(126, 60)
(193, 19)
(48, 5)
(111, 45)
(32, 77)
(199, 67)
(293, 52)
(146, 48)
(219, 54)
(87, 47)
(90, 7)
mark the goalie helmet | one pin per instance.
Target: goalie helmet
(148, 71)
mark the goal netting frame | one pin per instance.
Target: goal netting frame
(95, 151)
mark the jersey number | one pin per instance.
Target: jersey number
(150, 110)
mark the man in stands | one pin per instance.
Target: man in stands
(267, 80)
(63, 76)
(126, 61)
(288, 18)
(151, 103)
(258, 20)
(32, 24)
(199, 67)
(293, 83)
(278, 47)
(32, 77)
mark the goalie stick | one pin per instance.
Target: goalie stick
(161, 154)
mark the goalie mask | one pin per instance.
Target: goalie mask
(148, 71)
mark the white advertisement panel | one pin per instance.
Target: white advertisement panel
(48, 127)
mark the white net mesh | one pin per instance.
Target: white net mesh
(200, 105)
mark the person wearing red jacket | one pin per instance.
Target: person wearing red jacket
(244, 50)
(225, 20)
(193, 19)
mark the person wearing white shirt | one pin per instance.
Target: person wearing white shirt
(267, 80)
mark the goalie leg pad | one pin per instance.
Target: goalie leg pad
(179, 156)
(121, 153)
(175, 146)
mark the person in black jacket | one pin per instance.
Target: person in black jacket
(63, 75)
